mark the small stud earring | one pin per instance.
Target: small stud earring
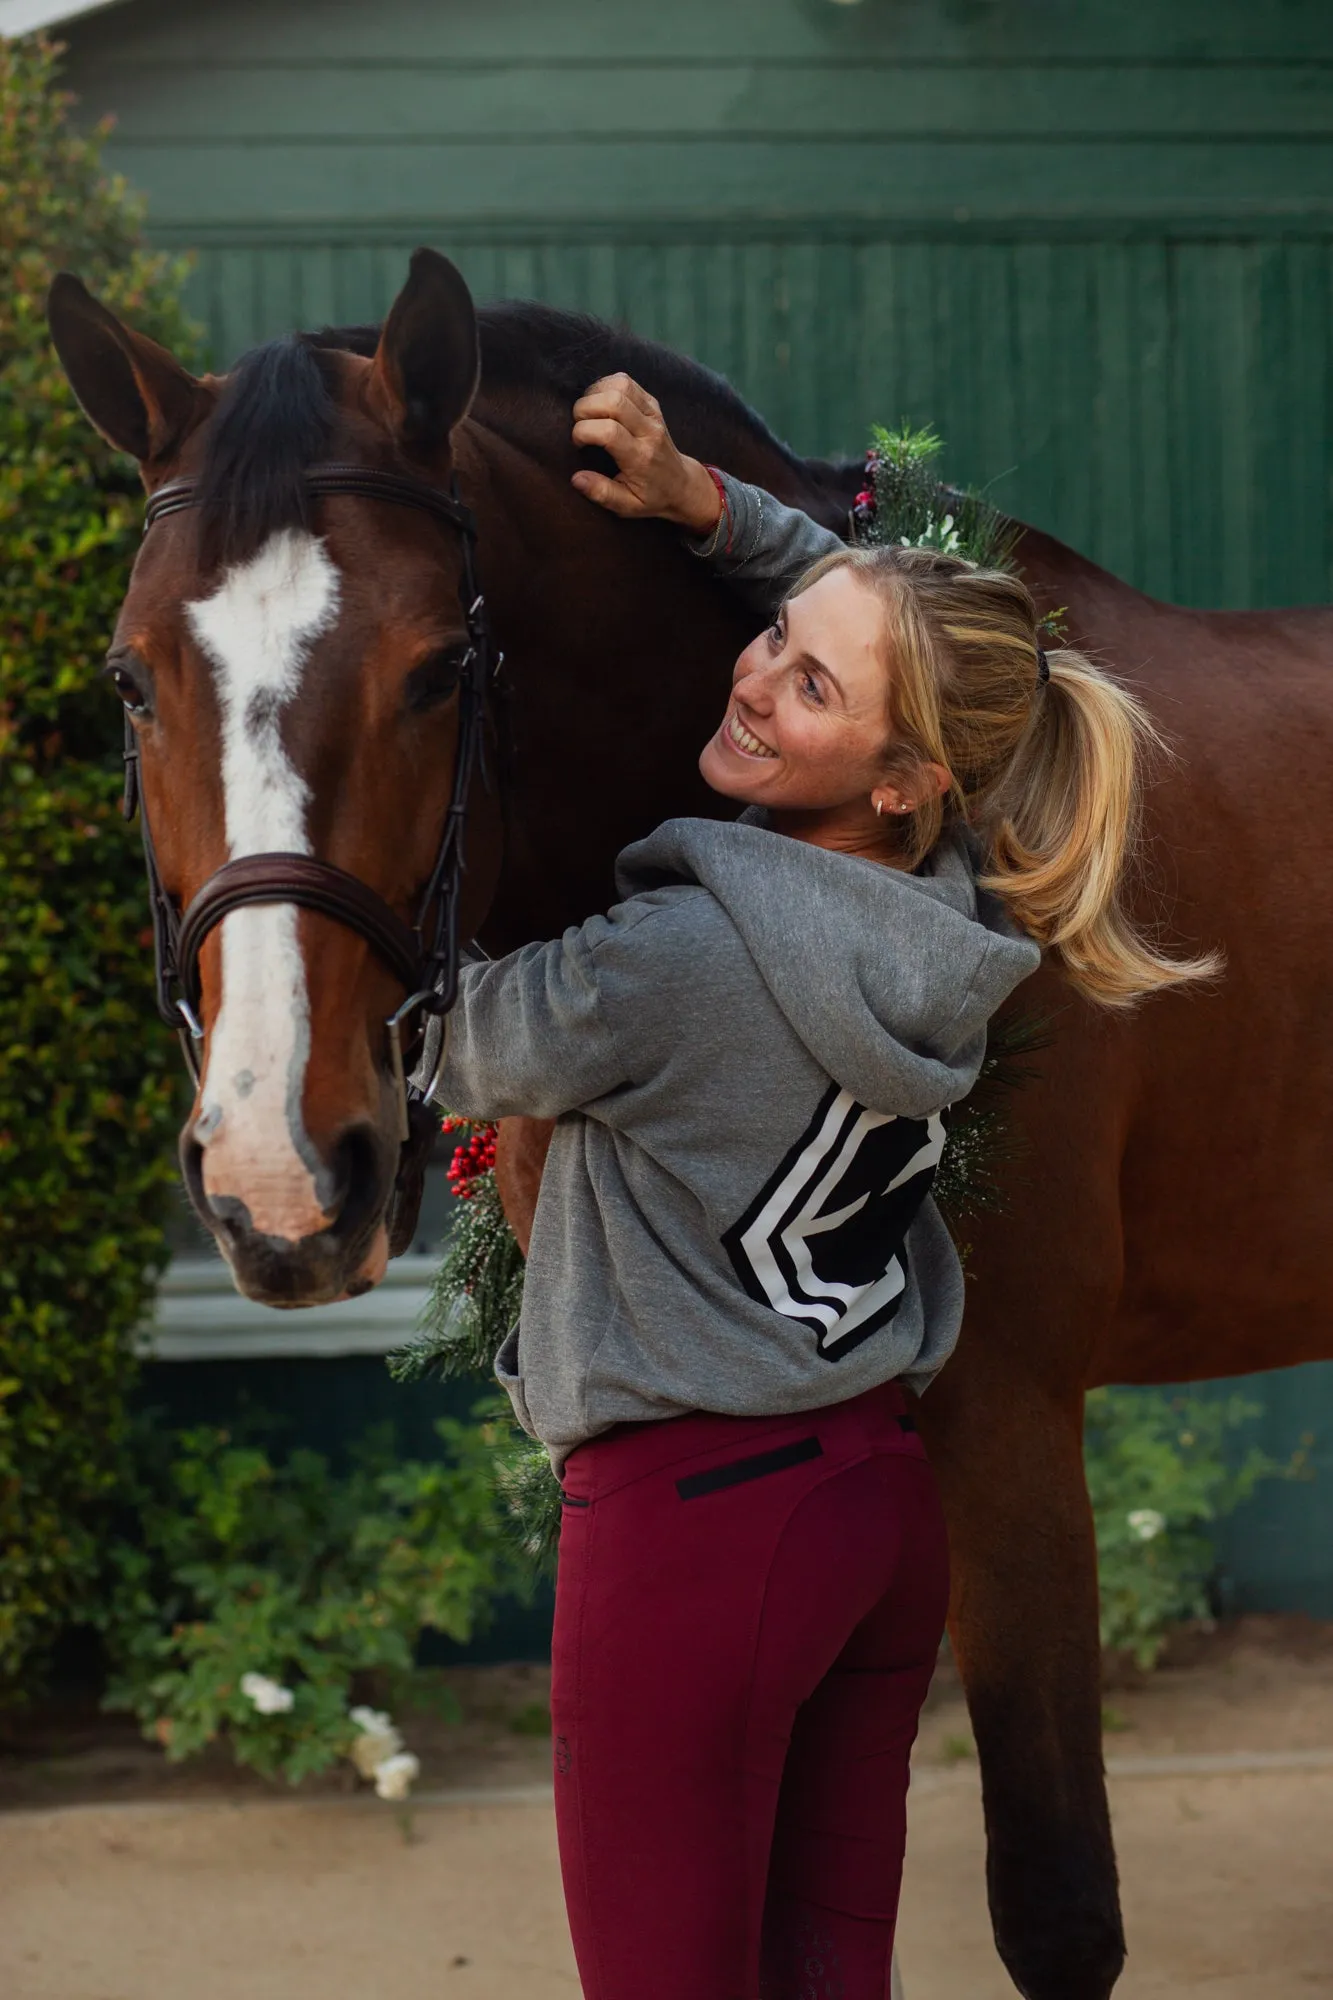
(904, 808)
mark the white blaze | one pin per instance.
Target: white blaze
(256, 630)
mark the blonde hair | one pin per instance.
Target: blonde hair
(1048, 775)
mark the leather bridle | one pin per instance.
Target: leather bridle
(424, 956)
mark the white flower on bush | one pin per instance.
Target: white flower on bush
(377, 1741)
(269, 1697)
(395, 1777)
(1145, 1523)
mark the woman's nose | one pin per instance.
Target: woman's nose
(755, 691)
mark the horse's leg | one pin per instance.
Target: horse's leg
(520, 1154)
(1024, 1628)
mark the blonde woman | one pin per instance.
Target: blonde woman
(737, 1277)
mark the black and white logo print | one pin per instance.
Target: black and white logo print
(823, 1241)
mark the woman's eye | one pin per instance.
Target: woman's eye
(811, 689)
(776, 633)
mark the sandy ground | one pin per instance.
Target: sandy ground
(1226, 1871)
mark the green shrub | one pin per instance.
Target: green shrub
(292, 1580)
(1159, 1475)
(87, 1077)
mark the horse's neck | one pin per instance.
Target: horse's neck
(619, 646)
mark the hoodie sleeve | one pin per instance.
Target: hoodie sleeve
(761, 546)
(528, 1035)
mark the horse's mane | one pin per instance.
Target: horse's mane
(526, 345)
(275, 418)
(537, 359)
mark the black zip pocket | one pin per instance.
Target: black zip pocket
(571, 1500)
(696, 1484)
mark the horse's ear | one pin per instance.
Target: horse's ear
(428, 359)
(138, 396)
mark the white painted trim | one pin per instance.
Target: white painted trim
(21, 17)
(200, 1316)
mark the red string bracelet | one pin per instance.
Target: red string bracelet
(725, 515)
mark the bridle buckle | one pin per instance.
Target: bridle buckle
(402, 1083)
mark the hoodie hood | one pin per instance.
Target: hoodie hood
(887, 978)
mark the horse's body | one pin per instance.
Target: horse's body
(1169, 1215)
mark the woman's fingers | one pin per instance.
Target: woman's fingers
(609, 493)
(624, 420)
(623, 401)
(625, 391)
(611, 435)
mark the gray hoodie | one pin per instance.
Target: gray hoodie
(749, 1059)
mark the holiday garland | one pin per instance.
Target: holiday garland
(478, 1290)
(904, 505)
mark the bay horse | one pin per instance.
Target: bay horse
(291, 661)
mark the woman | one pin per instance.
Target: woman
(736, 1270)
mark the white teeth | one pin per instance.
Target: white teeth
(743, 740)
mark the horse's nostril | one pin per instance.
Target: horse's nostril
(355, 1175)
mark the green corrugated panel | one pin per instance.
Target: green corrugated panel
(1161, 406)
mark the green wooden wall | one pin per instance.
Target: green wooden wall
(1090, 242)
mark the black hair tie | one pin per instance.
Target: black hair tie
(1043, 667)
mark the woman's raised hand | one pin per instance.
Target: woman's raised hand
(655, 481)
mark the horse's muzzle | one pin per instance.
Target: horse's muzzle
(344, 1256)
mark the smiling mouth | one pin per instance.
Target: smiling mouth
(744, 740)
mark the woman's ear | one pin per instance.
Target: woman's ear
(135, 393)
(919, 784)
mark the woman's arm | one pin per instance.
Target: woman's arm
(744, 533)
(528, 1034)
(760, 546)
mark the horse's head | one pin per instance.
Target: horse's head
(290, 660)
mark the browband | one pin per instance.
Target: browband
(363, 482)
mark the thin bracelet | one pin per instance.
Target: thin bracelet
(725, 515)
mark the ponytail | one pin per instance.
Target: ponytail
(1048, 772)
(1064, 819)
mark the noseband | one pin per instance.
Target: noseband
(422, 956)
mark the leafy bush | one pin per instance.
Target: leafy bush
(87, 1077)
(1159, 1475)
(254, 1592)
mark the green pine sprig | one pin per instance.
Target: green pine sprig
(975, 1174)
(531, 1496)
(475, 1296)
(915, 509)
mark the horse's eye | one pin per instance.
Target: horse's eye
(127, 687)
(435, 679)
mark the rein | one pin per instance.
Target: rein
(424, 956)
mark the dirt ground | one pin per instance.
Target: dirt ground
(123, 1879)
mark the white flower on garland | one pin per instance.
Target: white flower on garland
(939, 533)
(269, 1697)
(1145, 1523)
(377, 1740)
